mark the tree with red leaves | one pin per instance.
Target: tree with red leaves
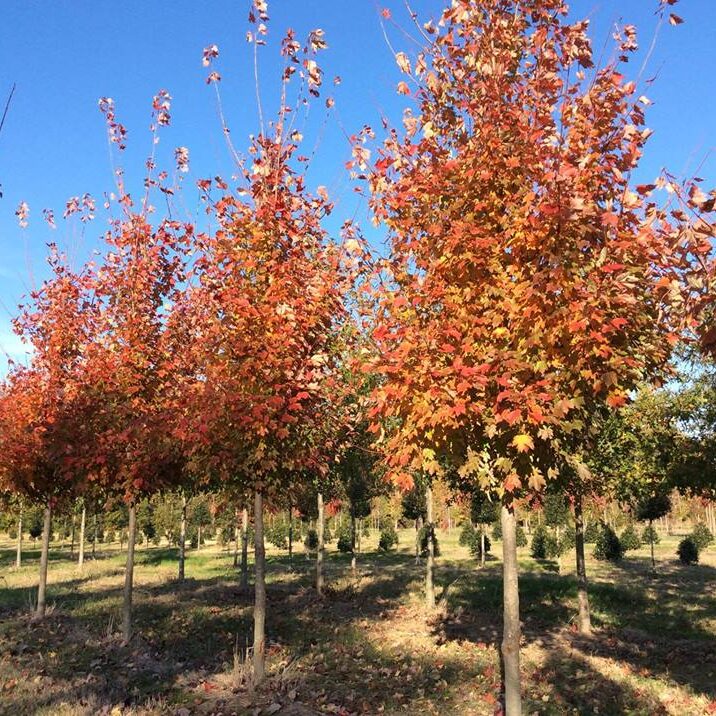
(530, 283)
(42, 408)
(130, 369)
(268, 320)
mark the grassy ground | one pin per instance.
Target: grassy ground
(367, 648)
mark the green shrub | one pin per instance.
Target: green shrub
(277, 535)
(345, 542)
(630, 539)
(35, 529)
(608, 546)
(591, 532)
(311, 541)
(649, 535)
(552, 546)
(423, 541)
(388, 538)
(702, 536)
(539, 543)
(497, 531)
(467, 534)
(521, 537)
(688, 551)
(567, 540)
(476, 545)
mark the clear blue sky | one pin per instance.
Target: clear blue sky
(65, 55)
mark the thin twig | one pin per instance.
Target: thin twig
(7, 106)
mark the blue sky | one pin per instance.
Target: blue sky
(64, 55)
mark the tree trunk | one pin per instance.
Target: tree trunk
(198, 538)
(94, 537)
(430, 563)
(260, 593)
(72, 535)
(290, 536)
(584, 620)
(651, 541)
(319, 552)
(18, 556)
(418, 526)
(237, 534)
(353, 543)
(244, 549)
(129, 576)
(511, 615)
(83, 518)
(44, 555)
(182, 539)
(482, 545)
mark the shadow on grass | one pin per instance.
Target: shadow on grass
(657, 624)
(187, 634)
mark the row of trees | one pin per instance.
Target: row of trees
(531, 288)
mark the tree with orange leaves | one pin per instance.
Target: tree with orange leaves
(268, 319)
(42, 408)
(130, 369)
(529, 282)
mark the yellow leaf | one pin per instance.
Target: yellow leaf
(523, 442)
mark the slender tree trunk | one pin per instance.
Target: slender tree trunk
(94, 537)
(418, 527)
(260, 593)
(511, 615)
(244, 549)
(44, 556)
(353, 543)
(290, 536)
(651, 541)
(182, 539)
(72, 535)
(430, 563)
(83, 518)
(18, 556)
(198, 538)
(237, 534)
(319, 552)
(129, 576)
(584, 619)
(482, 545)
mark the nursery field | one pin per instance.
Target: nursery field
(367, 647)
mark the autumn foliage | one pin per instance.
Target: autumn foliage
(531, 281)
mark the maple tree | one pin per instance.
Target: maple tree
(529, 281)
(267, 317)
(41, 405)
(129, 368)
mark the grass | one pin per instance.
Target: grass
(368, 647)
